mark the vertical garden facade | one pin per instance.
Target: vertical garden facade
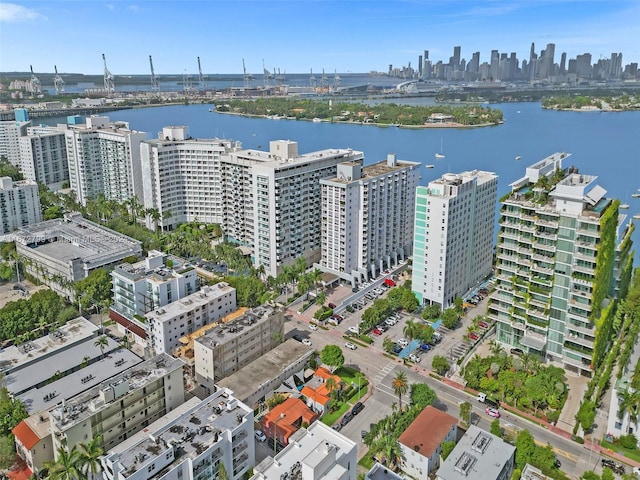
(558, 269)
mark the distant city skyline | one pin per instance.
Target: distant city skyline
(296, 36)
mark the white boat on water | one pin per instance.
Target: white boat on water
(624, 206)
(316, 120)
(429, 166)
(439, 155)
(637, 216)
(635, 195)
(518, 157)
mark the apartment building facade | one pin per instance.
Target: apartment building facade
(121, 406)
(10, 133)
(228, 347)
(268, 202)
(191, 442)
(367, 218)
(182, 177)
(104, 159)
(43, 156)
(166, 325)
(19, 204)
(139, 288)
(453, 236)
(555, 275)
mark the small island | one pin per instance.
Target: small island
(583, 103)
(383, 115)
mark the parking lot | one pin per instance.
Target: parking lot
(451, 344)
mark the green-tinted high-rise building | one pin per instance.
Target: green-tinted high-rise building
(562, 258)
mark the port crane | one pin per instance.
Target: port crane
(186, 83)
(202, 80)
(109, 84)
(34, 84)
(58, 82)
(312, 80)
(324, 81)
(155, 86)
(246, 76)
(336, 79)
(267, 74)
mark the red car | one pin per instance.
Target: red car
(377, 331)
(492, 412)
(473, 336)
(483, 325)
(332, 305)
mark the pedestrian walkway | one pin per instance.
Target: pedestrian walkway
(380, 376)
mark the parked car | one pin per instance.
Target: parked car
(397, 349)
(338, 317)
(306, 341)
(313, 326)
(516, 351)
(414, 358)
(474, 336)
(337, 427)
(347, 418)
(261, 437)
(332, 305)
(615, 467)
(492, 412)
(483, 325)
(357, 408)
(402, 342)
(377, 331)
(425, 347)
(349, 309)
(390, 321)
(354, 329)
(297, 337)
(350, 346)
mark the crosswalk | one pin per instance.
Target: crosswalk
(381, 382)
(383, 372)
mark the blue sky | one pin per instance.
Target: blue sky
(298, 35)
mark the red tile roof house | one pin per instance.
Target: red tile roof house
(316, 392)
(285, 419)
(421, 442)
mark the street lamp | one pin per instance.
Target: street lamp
(275, 433)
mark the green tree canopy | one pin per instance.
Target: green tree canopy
(332, 355)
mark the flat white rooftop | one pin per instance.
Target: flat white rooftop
(73, 237)
(190, 302)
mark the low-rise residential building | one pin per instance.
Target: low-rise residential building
(367, 217)
(314, 453)
(19, 204)
(529, 472)
(255, 381)
(145, 286)
(421, 442)
(120, 406)
(61, 364)
(285, 419)
(228, 347)
(166, 325)
(193, 442)
(479, 454)
(622, 419)
(62, 251)
(316, 391)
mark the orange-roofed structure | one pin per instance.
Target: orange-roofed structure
(33, 441)
(285, 419)
(421, 442)
(316, 391)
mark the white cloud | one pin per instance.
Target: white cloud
(10, 12)
(133, 8)
(110, 6)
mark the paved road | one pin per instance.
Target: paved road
(380, 370)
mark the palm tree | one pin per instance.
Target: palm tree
(495, 348)
(411, 329)
(89, 457)
(315, 275)
(400, 386)
(330, 384)
(65, 467)
(101, 342)
(154, 215)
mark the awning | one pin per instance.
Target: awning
(533, 340)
